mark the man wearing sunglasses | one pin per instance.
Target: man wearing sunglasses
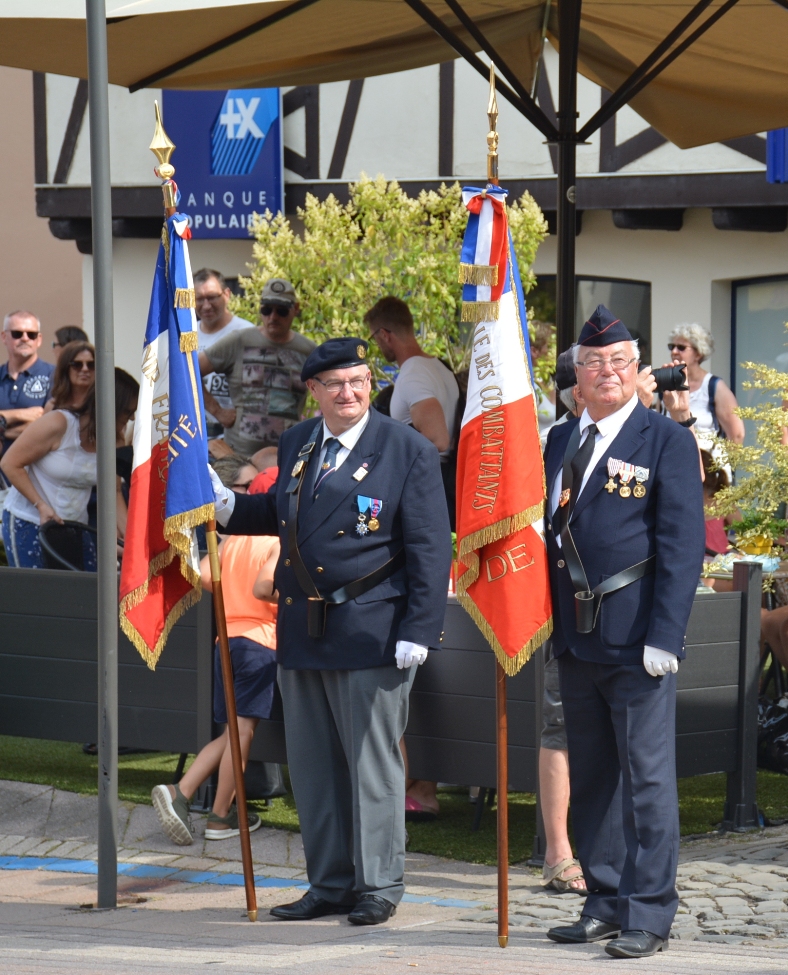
(25, 381)
(263, 369)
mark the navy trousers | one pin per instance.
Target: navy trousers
(621, 733)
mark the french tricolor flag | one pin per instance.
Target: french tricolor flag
(503, 582)
(170, 487)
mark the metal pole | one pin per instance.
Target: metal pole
(568, 38)
(502, 779)
(101, 209)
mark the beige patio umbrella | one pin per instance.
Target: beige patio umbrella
(732, 81)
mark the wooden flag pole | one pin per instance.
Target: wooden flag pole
(162, 147)
(502, 736)
(501, 726)
(232, 720)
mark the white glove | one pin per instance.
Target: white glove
(410, 653)
(659, 662)
(224, 498)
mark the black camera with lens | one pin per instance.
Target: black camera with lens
(670, 379)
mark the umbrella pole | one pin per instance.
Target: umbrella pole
(502, 736)
(232, 721)
(569, 39)
(107, 581)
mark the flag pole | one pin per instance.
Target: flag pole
(232, 720)
(502, 728)
(162, 147)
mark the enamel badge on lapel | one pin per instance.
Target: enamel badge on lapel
(374, 507)
(625, 474)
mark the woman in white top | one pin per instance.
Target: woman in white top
(711, 401)
(52, 469)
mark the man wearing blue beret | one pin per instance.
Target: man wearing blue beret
(625, 538)
(362, 578)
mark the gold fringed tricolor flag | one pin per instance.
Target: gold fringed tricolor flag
(503, 581)
(170, 487)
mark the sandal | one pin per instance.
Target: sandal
(556, 878)
(415, 812)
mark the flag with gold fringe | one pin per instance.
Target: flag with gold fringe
(503, 576)
(170, 488)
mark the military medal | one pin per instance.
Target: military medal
(564, 498)
(362, 528)
(641, 475)
(613, 467)
(625, 475)
(375, 508)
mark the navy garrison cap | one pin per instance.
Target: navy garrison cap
(565, 376)
(335, 354)
(603, 328)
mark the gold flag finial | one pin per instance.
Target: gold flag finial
(492, 135)
(162, 148)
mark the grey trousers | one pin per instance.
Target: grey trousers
(343, 729)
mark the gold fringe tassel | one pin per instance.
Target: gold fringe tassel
(507, 526)
(478, 274)
(479, 311)
(510, 665)
(184, 298)
(179, 547)
(188, 341)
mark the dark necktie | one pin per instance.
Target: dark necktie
(580, 462)
(329, 464)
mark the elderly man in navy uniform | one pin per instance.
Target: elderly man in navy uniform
(625, 543)
(362, 579)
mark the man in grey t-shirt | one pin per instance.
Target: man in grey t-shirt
(263, 369)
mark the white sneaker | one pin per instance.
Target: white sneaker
(173, 814)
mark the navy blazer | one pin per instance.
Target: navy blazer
(612, 533)
(403, 471)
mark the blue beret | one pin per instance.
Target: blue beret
(603, 328)
(335, 354)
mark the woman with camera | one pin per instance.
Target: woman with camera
(711, 401)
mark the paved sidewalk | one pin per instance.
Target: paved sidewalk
(182, 906)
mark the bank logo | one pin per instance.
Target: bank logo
(240, 129)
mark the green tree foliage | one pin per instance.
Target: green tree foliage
(762, 468)
(344, 257)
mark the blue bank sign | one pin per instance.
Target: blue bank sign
(228, 156)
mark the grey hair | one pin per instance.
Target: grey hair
(567, 397)
(698, 337)
(576, 350)
(19, 313)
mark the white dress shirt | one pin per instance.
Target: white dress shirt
(608, 429)
(348, 439)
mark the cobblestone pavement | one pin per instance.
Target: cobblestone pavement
(733, 889)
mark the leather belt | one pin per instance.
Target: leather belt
(588, 601)
(317, 603)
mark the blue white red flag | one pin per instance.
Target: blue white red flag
(503, 581)
(170, 488)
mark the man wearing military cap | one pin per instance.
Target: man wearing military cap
(625, 539)
(362, 578)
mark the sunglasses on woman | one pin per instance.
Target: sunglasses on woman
(281, 310)
(677, 347)
(79, 366)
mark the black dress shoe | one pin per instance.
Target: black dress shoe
(309, 907)
(636, 944)
(584, 931)
(372, 909)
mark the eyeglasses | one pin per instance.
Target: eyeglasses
(381, 329)
(677, 347)
(22, 334)
(212, 298)
(242, 485)
(335, 385)
(80, 366)
(281, 310)
(596, 364)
